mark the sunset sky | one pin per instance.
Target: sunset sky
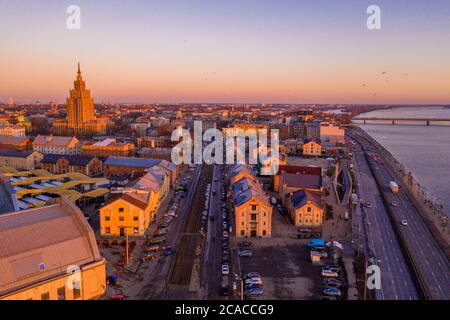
(227, 51)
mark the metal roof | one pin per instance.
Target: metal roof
(41, 243)
(132, 162)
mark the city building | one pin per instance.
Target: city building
(292, 182)
(42, 247)
(331, 133)
(134, 167)
(23, 160)
(56, 145)
(252, 210)
(156, 142)
(88, 165)
(81, 118)
(15, 143)
(8, 196)
(131, 212)
(156, 153)
(313, 132)
(12, 130)
(305, 209)
(107, 147)
(301, 170)
(299, 130)
(312, 148)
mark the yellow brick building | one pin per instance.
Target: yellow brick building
(252, 210)
(305, 209)
(312, 148)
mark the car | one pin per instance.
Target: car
(334, 292)
(394, 204)
(225, 234)
(329, 274)
(404, 222)
(252, 275)
(333, 268)
(255, 292)
(245, 244)
(368, 205)
(252, 286)
(87, 217)
(331, 282)
(225, 269)
(253, 281)
(245, 253)
(168, 251)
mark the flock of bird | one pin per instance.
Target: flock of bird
(386, 79)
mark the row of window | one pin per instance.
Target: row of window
(61, 293)
(121, 218)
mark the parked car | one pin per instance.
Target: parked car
(245, 253)
(245, 244)
(329, 274)
(225, 234)
(334, 292)
(255, 292)
(225, 269)
(253, 281)
(334, 268)
(168, 251)
(253, 286)
(331, 282)
(404, 222)
(252, 275)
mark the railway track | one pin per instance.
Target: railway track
(181, 269)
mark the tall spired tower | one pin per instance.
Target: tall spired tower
(81, 119)
(80, 105)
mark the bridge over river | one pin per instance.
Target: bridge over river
(387, 120)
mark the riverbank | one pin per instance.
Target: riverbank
(433, 215)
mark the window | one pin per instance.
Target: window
(61, 293)
(253, 217)
(253, 207)
(136, 218)
(309, 209)
(45, 296)
(120, 209)
(242, 222)
(242, 233)
(76, 290)
(121, 218)
(107, 230)
(264, 232)
(107, 218)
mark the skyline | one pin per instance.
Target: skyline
(173, 52)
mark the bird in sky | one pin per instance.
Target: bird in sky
(384, 72)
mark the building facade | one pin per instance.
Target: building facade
(12, 131)
(58, 164)
(106, 148)
(252, 210)
(312, 148)
(305, 209)
(57, 145)
(22, 160)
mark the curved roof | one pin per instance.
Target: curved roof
(41, 243)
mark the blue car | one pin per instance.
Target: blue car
(334, 292)
(168, 251)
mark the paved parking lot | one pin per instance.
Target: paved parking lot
(286, 269)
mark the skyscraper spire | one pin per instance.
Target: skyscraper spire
(79, 68)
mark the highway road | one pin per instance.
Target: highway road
(397, 282)
(433, 264)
